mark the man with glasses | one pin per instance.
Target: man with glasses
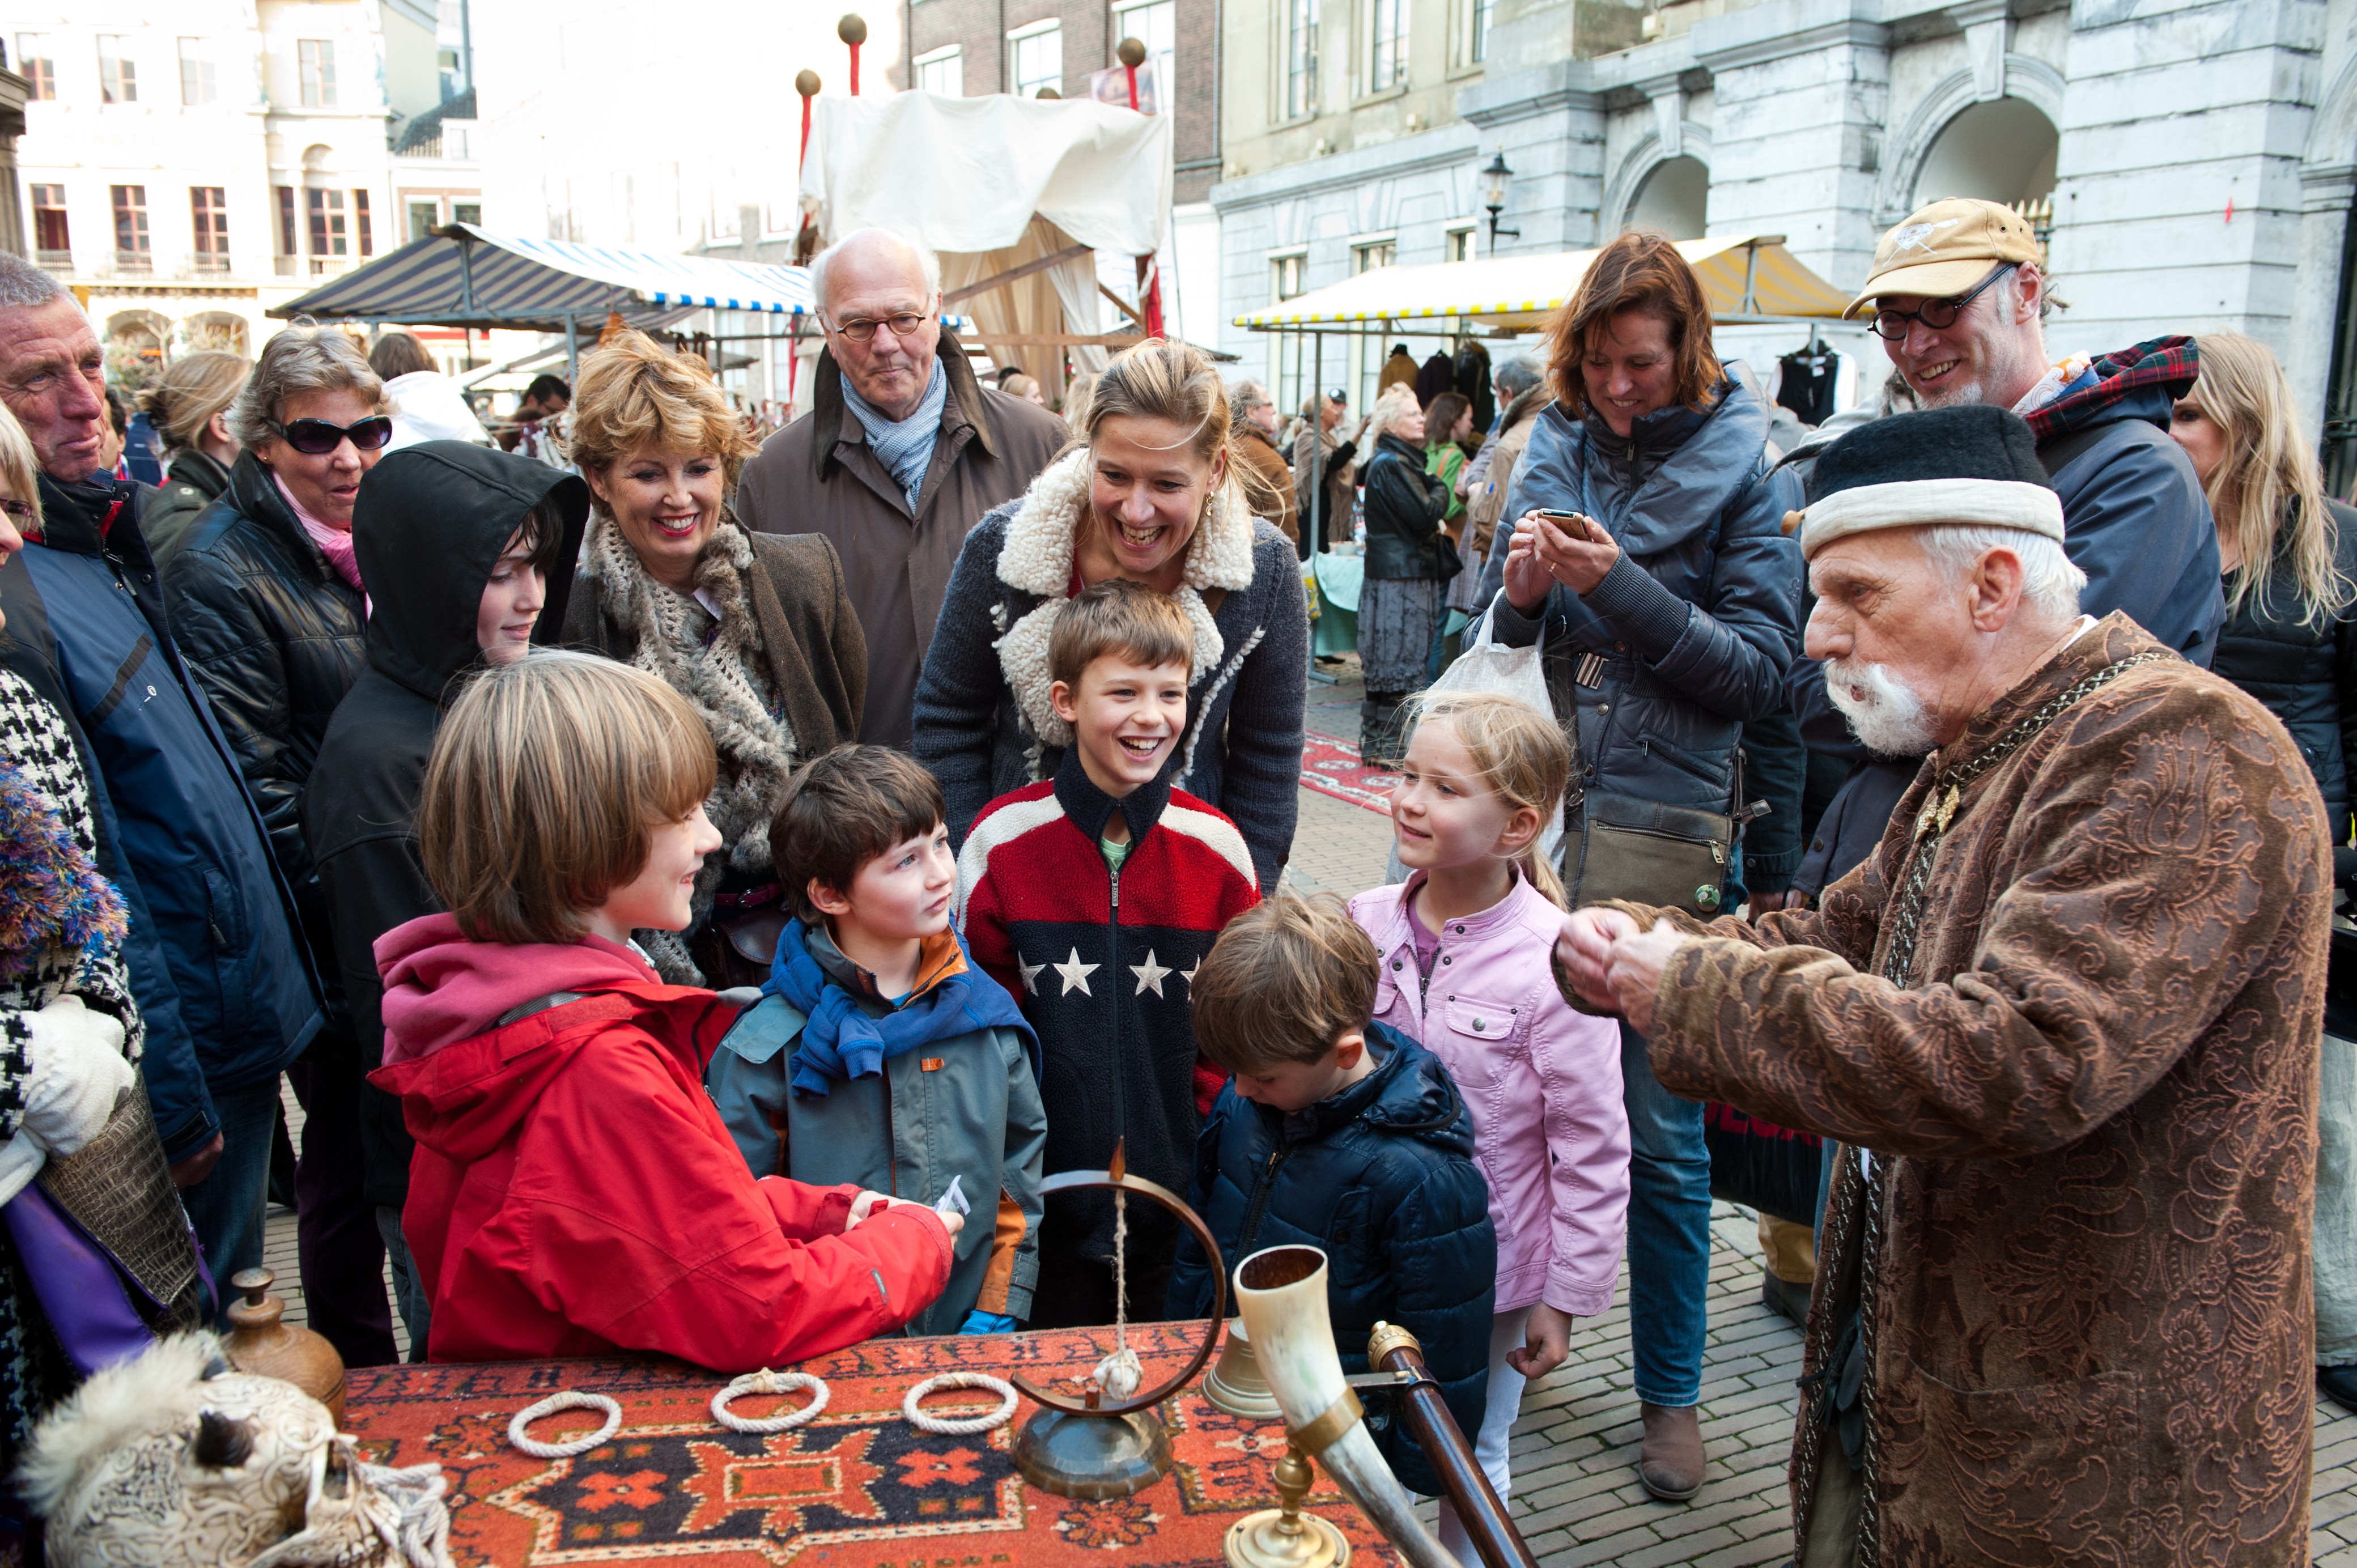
(1961, 296)
(901, 454)
(225, 989)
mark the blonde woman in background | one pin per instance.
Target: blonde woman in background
(2289, 556)
(190, 406)
(755, 630)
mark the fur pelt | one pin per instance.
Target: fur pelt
(727, 684)
(116, 1406)
(1036, 558)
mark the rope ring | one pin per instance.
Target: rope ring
(961, 1426)
(766, 1382)
(568, 1400)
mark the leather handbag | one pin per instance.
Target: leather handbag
(737, 950)
(1619, 846)
(1444, 552)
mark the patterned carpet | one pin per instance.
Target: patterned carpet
(858, 1486)
(1332, 766)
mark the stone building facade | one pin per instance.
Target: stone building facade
(2198, 158)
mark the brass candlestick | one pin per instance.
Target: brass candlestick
(1283, 1536)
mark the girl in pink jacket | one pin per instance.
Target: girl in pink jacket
(1465, 944)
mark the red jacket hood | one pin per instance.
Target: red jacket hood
(442, 987)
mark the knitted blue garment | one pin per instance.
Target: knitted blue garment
(905, 448)
(840, 1041)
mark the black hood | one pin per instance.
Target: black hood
(430, 524)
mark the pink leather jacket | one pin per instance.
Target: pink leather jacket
(1543, 1082)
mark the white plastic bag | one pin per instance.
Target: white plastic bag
(1487, 666)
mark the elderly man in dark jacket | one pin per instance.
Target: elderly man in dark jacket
(901, 454)
(222, 980)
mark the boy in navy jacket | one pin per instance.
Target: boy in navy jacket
(1343, 1135)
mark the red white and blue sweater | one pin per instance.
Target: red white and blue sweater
(1101, 962)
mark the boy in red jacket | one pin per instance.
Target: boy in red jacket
(574, 1191)
(1091, 897)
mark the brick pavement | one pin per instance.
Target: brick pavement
(1576, 1494)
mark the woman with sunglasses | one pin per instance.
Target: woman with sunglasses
(268, 609)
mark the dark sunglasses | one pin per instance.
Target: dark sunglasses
(316, 437)
(1939, 315)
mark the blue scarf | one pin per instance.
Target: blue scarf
(906, 449)
(840, 1042)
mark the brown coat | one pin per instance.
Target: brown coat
(1341, 479)
(817, 659)
(1267, 481)
(1486, 505)
(2093, 1113)
(816, 475)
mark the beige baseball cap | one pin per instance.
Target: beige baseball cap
(1943, 250)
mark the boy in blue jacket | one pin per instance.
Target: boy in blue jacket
(878, 1054)
(1344, 1134)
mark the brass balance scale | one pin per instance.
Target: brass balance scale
(1279, 1363)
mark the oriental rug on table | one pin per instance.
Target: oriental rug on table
(859, 1488)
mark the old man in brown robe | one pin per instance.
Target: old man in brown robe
(2064, 1021)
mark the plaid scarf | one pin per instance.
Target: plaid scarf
(2163, 361)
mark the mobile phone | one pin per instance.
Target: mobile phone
(1553, 516)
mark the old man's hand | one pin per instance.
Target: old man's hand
(1638, 959)
(1584, 950)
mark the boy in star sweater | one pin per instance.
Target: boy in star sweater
(1093, 897)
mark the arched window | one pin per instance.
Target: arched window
(1673, 201)
(2002, 150)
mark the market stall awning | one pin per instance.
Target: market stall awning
(1748, 276)
(463, 275)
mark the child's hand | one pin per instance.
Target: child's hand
(1547, 1341)
(869, 1203)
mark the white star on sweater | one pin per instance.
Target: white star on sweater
(1031, 974)
(1076, 974)
(1188, 976)
(1149, 974)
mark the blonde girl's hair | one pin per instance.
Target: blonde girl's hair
(2268, 492)
(1524, 756)
(635, 395)
(20, 468)
(545, 788)
(1397, 399)
(1160, 378)
(192, 389)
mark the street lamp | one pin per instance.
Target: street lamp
(1494, 180)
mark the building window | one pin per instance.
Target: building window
(131, 225)
(209, 218)
(1155, 25)
(424, 217)
(288, 243)
(1038, 57)
(1461, 244)
(51, 238)
(1477, 46)
(360, 224)
(199, 82)
(466, 212)
(34, 63)
(1367, 258)
(943, 71)
(331, 227)
(317, 60)
(1387, 49)
(118, 78)
(1300, 58)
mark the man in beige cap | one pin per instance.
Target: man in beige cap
(2064, 1021)
(1961, 295)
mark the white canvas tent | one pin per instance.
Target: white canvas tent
(1015, 194)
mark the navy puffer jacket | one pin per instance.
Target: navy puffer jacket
(1381, 1178)
(1695, 623)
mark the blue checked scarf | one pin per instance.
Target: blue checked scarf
(905, 449)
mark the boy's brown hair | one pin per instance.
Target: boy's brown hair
(545, 788)
(1287, 978)
(843, 809)
(1121, 618)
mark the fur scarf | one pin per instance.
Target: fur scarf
(725, 680)
(1042, 541)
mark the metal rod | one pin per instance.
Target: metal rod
(572, 348)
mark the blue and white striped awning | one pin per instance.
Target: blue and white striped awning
(467, 276)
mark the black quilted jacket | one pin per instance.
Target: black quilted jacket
(273, 635)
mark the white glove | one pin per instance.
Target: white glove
(77, 1072)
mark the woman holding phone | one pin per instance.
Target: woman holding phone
(1649, 550)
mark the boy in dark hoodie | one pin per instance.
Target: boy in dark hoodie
(469, 555)
(1344, 1134)
(879, 1054)
(574, 1191)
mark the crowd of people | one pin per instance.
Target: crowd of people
(894, 811)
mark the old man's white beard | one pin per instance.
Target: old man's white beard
(1890, 718)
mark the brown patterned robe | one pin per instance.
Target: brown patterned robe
(2093, 1115)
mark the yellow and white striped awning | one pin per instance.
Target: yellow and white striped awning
(1743, 274)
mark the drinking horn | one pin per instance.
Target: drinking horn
(1281, 1292)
